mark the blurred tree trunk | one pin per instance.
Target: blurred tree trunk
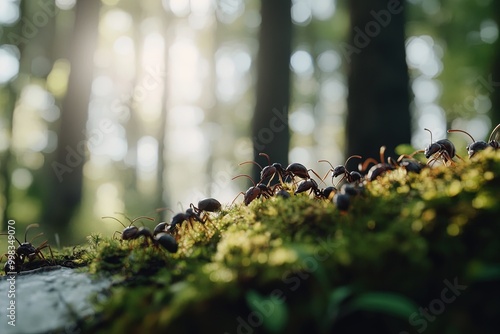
(495, 75)
(66, 179)
(270, 132)
(378, 101)
(8, 98)
(5, 159)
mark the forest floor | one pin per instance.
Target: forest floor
(405, 253)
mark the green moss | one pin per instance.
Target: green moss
(313, 267)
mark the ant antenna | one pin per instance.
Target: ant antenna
(267, 156)
(143, 217)
(381, 152)
(494, 133)
(28, 228)
(114, 219)
(468, 134)
(251, 162)
(429, 132)
(352, 156)
(245, 175)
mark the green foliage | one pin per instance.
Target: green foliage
(287, 265)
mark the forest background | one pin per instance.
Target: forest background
(121, 106)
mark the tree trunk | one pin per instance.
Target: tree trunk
(270, 133)
(67, 176)
(495, 75)
(378, 101)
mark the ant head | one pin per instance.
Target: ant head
(278, 167)
(431, 150)
(338, 170)
(476, 147)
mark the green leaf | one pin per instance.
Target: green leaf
(272, 310)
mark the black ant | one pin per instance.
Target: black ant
(193, 214)
(209, 205)
(132, 232)
(299, 170)
(26, 250)
(167, 241)
(206, 205)
(268, 171)
(312, 186)
(342, 170)
(442, 149)
(378, 169)
(254, 192)
(308, 185)
(480, 145)
(409, 163)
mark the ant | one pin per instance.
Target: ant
(193, 214)
(254, 192)
(132, 232)
(206, 205)
(443, 149)
(312, 186)
(378, 169)
(167, 241)
(268, 171)
(297, 169)
(480, 145)
(342, 170)
(407, 162)
(26, 250)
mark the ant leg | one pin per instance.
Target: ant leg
(342, 179)
(459, 157)
(240, 193)
(118, 233)
(206, 218)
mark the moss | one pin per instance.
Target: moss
(403, 236)
(296, 264)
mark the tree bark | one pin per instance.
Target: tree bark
(495, 75)
(270, 132)
(378, 80)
